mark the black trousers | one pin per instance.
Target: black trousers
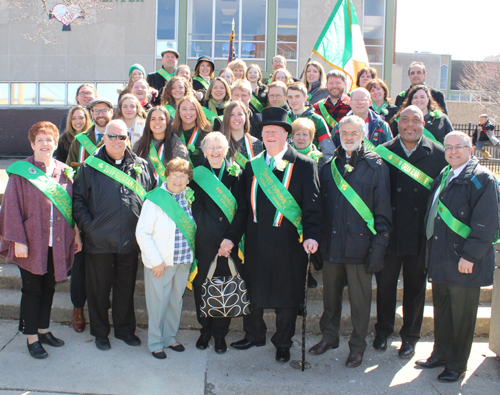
(455, 312)
(256, 328)
(216, 327)
(36, 300)
(414, 279)
(360, 298)
(106, 272)
(77, 288)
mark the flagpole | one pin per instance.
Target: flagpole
(304, 69)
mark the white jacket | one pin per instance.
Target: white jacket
(155, 235)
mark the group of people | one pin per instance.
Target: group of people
(187, 167)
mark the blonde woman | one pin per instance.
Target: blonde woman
(239, 69)
(315, 80)
(78, 121)
(259, 90)
(130, 111)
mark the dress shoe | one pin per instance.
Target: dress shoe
(220, 345)
(380, 343)
(102, 343)
(449, 376)
(160, 354)
(130, 339)
(282, 354)
(202, 342)
(407, 350)
(50, 339)
(78, 320)
(245, 344)
(322, 347)
(354, 359)
(430, 363)
(36, 350)
(179, 347)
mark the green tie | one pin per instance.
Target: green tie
(99, 137)
(272, 163)
(429, 230)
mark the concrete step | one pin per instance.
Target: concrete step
(62, 311)
(11, 279)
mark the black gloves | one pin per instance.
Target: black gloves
(375, 261)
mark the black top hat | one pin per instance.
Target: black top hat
(205, 59)
(275, 116)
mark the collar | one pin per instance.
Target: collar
(408, 153)
(277, 157)
(458, 171)
(344, 99)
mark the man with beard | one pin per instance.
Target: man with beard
(84, 95)
(357, 214)
(242, 90)
(85, 143)
(158, 80)
(283, 196)
(413, 161)
(337, 104)
(376, 130)
(417, 75)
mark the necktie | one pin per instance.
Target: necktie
(99, 137)
(429, 230)
(272, 163)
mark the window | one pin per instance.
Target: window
(109, 91)
(210, 25)
(23, 93)
(443, 83)
(166, 25)
(52, 94)
(288, 29)
(4, 94)
(374, 30)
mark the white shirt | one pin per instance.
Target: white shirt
(277, 157)
(456, 172)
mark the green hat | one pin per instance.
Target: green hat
(137, 66)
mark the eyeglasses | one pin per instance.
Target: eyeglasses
(215, 148)
(454, 147)
(179, 177)
(84, 93)
(121, 137)
(104, 111)
(275, 96)
(352, 134)
(363, 99)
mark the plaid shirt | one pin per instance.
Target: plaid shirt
(337, 110)
(182, 251)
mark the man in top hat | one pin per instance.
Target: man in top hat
(283, 226)
(169, 59)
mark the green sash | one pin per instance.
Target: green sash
(404, 166)
(256, 103)
(210, 115)
(430, 136)
(275, 191)
(164, 74)
(84, 140)
(454, 224)
(353, 198)
(52, 189)
(116, 174)
(328, 118)
(186, 225)
(157, 162)
(202, 81)
(217, 191)
(170, 110)
(368, 144)
(240, 158)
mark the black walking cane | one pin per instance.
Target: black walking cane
(302, 365)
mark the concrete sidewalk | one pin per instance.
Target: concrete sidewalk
(80, 368)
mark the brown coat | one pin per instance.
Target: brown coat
(25, 219)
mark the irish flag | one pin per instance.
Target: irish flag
(341, 44)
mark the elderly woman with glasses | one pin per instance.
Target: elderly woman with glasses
(217, 234)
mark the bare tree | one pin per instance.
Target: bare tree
(47, 14)
(482, 79)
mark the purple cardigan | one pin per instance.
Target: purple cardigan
(25, 219)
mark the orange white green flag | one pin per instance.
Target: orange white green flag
(341, 44)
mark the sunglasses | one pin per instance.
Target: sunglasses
(121, 137)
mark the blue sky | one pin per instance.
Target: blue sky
(468, 30)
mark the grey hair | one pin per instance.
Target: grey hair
(336, 73)
(467, 140)
(117, 122)
(215, 136)
(354, 119)
(243, 85)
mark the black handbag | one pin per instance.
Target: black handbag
(224, 296)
